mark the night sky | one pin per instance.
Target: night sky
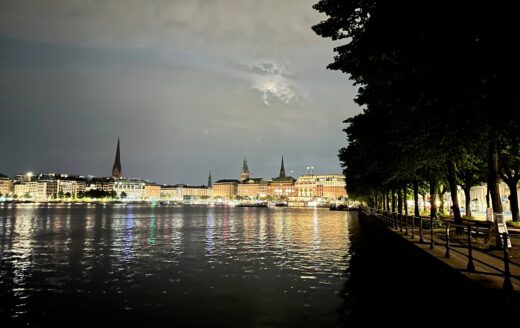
(189, 86)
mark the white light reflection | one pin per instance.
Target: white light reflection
(210, 230)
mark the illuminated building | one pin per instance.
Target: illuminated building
(104, 184)
(170, 193)
(36, 190)
(6, 185)
(331, 186)
(152, 192)
(70, 186)
(225, 189)
(282, 186)
(132, 188)
(252, 188)
(182, 192)
(196, 191)
(318, 188)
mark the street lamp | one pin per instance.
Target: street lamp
(309, 168)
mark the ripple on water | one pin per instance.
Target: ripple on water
(170, 257)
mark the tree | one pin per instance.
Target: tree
(428, 90)
(509, 169)
(123, 195)
(472, 173)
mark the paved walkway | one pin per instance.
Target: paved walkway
(489, 270)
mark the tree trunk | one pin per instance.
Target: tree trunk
(440, 209)
(467, 195)
(424, 202)
(400, 201)
(452, 181)
(416, 197)
(493, 177)
(488, 205)
(433, 206)
(513, 197)
(393, 201)
(405, 204)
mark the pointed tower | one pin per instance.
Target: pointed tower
(209, 180)
(282, 170)
(245, 171)
(116, 169)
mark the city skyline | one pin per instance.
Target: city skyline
(184, 97)
(118, 173)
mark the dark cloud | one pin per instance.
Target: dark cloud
(189, 86)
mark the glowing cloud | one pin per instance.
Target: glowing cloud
(274, 83)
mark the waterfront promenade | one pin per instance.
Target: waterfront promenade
(489, 269)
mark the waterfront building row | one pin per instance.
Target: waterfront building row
(45, 187)
(301, 191)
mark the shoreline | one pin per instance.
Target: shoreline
(150, 203)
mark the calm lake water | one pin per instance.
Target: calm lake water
(139, 266)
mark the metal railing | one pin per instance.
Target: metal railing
(396, 221)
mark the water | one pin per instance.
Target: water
(129, 265)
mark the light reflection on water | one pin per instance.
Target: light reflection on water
(270, 265)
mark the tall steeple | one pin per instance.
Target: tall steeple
(116, 169)
(209, 180)
(245, 171)
(282, 170)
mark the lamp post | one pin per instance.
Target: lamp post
(311, 168)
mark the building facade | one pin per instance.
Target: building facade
(70, 187)
(131, 189)
(35, 190)
(281, 187)
(182, 192)
(252, 188)
(319, 189)
(6, 185)
(331, 186)
(152, 192)
(225, 189)
(104, 184)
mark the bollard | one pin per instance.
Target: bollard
(447, 254)
(507, 274)
(413, 227)
(471, 266)
(406, 225)
(431, 232)
(421, 240)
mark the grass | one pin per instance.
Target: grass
(513, 224)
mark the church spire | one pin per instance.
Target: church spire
(282, 170)
(116, 169)
(210, 184)
(245, 171)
